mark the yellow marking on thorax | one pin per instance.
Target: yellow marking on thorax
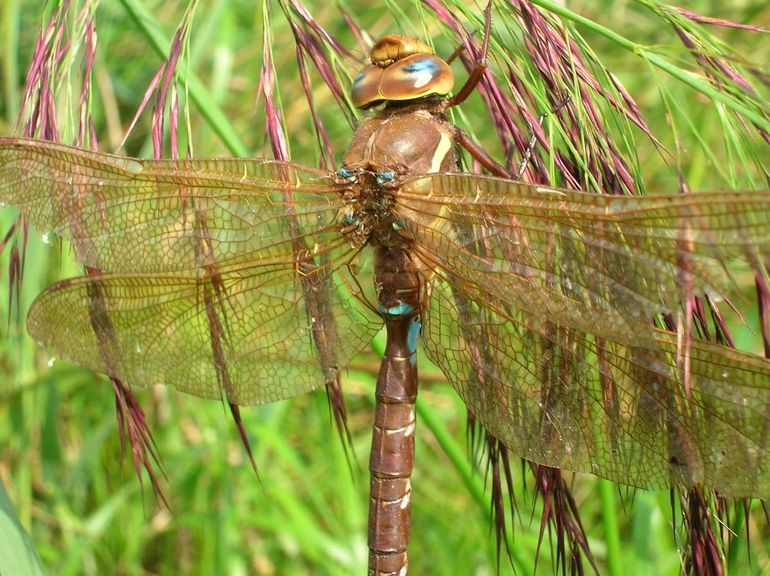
(442, 149)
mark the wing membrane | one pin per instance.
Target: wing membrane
(166, 216)
(228, 279)
(255, 340)
(596, 263)
(564, 398)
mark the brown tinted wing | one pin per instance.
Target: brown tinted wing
(148, 216)
(256, 335)
(541, 317)
(596, 263)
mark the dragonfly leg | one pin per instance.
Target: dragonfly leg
(533, 139)
(357, 292)
(481, 64)
(481, 155)
(453, 56)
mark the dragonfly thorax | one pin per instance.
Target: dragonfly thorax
(387, 148)
(410, 139)
(369, 217)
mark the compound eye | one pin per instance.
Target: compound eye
(416, 76)
(365, 90)
(402, 69)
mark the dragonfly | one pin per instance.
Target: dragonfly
(253, 281)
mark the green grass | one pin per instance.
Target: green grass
(60, 457)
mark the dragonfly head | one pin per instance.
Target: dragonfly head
(401, 69)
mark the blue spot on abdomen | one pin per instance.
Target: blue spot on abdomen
(398, 310)
(411, 340)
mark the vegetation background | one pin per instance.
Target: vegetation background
(71, 482)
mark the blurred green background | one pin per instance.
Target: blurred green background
(72, 483)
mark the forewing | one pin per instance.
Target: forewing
(255, 335)
(594, 262)
(166, 216)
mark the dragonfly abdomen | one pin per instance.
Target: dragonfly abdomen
(400, 295)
